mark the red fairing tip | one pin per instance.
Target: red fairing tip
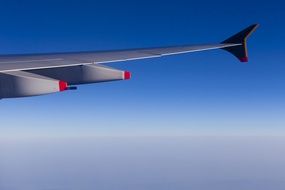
(127, 75)
(244, 59)
(63, 86)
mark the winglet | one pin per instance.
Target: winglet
(240, 38)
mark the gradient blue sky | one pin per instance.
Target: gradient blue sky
(200, 93)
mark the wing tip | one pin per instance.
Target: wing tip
(241, 51)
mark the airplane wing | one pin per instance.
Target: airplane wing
(235, 45)
(70, 67)
(43, 61)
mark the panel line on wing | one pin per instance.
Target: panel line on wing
(31, 61)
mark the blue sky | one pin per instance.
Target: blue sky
(201, 93)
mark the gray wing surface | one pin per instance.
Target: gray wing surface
(43, 61)
(235, 45)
